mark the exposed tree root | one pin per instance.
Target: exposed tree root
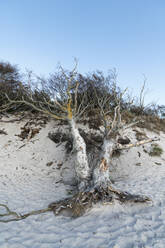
(10, 216)
(78, 204)
(82, 201)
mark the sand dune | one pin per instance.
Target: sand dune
(32, 174)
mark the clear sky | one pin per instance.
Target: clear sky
(128, 35)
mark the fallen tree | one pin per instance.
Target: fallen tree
(93, 179)
(99, 187)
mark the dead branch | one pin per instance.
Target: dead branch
(5, 107)
(60, 104)
(142, 94)
(41, 109)
(139, 143)
(13, 120)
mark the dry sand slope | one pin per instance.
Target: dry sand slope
(28, 181)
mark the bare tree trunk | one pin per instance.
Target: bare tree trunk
(101, 176)
(81, 162)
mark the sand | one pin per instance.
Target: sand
(28, 182)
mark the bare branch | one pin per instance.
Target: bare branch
(142, 93)
(75, 97)
(5, 107)
(44, 111)
(133, 123)
(142, 142)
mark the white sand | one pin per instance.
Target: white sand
(26, 184)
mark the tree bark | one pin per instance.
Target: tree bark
(81, 162)
(101, 176)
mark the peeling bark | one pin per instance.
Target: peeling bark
(101, 176)
(81, 163)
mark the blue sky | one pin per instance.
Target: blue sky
(128, 35)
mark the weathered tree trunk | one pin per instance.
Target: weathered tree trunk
(81, 162)
(101, 176)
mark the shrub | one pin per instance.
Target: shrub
(156, 150)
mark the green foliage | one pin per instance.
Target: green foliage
(156, 150)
